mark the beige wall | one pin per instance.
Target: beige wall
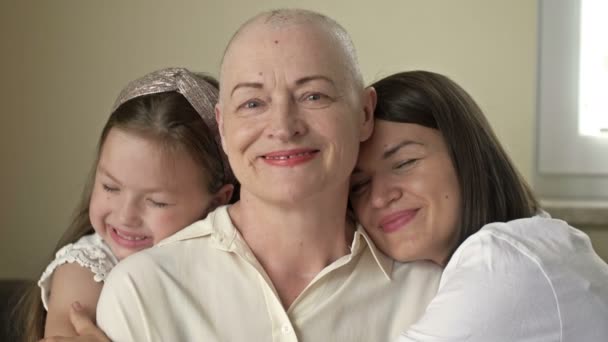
(63, 62)
(599, 239)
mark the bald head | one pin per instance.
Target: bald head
(288, 18)
(290, 81)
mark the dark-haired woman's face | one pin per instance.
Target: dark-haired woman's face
(405, 192)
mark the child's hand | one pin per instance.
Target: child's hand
(84, 326)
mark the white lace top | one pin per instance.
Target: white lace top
(90, 251)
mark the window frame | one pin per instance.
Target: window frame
(568, 165)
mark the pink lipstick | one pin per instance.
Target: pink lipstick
(398, 220)
(290, 158)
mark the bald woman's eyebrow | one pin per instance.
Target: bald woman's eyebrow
(307, 79)
(255, 85)
(299, 82)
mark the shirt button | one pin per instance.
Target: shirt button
(285, 329)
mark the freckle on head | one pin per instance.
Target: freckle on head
(276, 42)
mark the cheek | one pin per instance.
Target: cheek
(166, 223)
(451, 195)
(97, 210)
(344, 141)
(239, 135)
(452, 202)
(346, 132)
(435, 185)
(419, 184)
(362, 211)
(451, 208)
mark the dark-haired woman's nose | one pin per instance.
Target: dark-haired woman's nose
(383, 193)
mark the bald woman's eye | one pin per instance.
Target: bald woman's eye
(316, 100)
(251, 106)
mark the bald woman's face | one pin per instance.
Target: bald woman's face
(290, 117)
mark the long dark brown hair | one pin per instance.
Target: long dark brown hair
(166, 117)
(492, 190)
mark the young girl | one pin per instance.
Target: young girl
(160, 167)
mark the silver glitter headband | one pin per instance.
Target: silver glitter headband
(200, 94)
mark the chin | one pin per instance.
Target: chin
(290, 198)
(402, 258)
(405, 256)
(122, 255)
(293, 194)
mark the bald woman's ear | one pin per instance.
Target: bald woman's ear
(220, 124)
(370, 98)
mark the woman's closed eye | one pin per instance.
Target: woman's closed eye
(359, 186)
(108, 188)
(404, 164)
(158, 204)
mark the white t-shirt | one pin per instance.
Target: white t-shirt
(90, 252)
(533, 279)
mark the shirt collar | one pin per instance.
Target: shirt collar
(361, 240)
(213, 225)
(219, 226)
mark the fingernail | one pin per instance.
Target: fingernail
(77, 306)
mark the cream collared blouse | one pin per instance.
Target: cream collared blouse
(204, 284)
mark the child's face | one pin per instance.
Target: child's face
(144, 193)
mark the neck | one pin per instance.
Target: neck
(293, 243)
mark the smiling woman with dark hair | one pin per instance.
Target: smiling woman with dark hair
(433, 183)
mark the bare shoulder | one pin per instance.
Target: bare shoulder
(71, 282)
